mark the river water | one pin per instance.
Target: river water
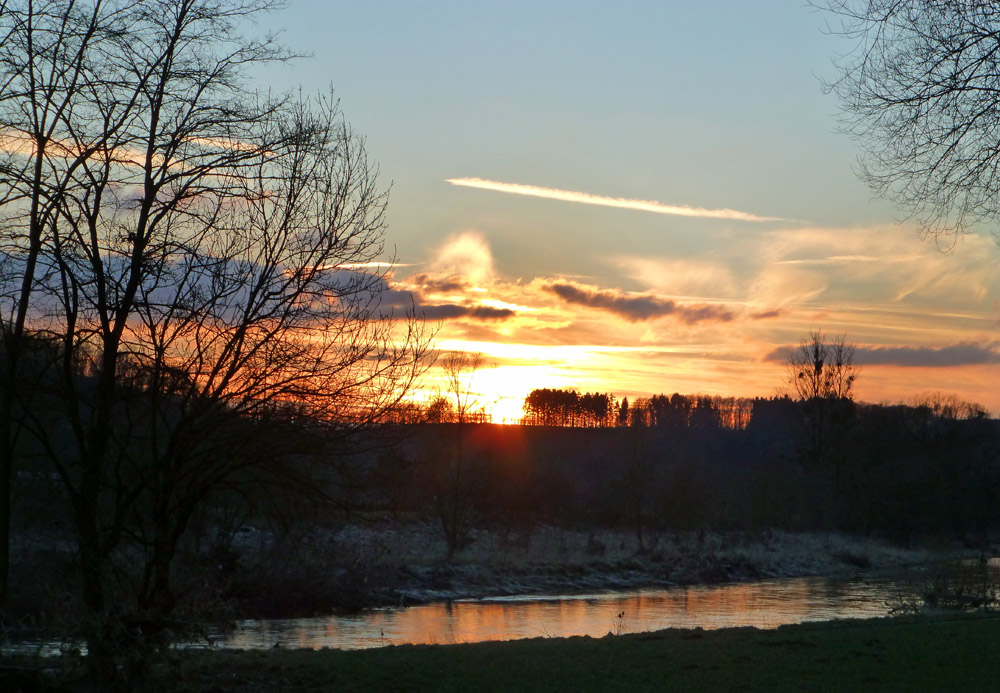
(765, 604)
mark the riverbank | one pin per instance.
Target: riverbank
(351, 567)
(387, 565)
(943, 652)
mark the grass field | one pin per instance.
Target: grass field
(932, 653)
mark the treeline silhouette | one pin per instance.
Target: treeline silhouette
(556, 407)
(686, 463)
(545, 407)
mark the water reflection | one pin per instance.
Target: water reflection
(767, 604)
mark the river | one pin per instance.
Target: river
(765, 604)
(762, 604)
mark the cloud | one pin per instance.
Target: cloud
(682, 276)
(373, 265)
(402, 296)
(395, 299)
(849, 260)
(392, 299)
(635, 308)
(21, 143)
(956, 355)
(601, 200)
(867, 266)
(427, 283)
(466, 255)
(459, 275)
(450, 311)
(966, 354)
(919, 314)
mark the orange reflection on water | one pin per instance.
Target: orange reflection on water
(767, 604)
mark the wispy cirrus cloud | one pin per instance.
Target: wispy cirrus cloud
(850, 259)
(379, 264)
(635, 308)
(604, 201)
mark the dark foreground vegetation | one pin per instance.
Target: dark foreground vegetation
(191, 305)
(951, 652)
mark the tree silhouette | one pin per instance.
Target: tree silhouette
(822, 368)
(192, 248)
(822, 373)
(921, 94)
(549, 407)
(457, 477)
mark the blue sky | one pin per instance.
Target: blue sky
(707, 105)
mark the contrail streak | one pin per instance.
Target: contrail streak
(623, 203)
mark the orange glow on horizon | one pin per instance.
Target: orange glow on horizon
(634, 327)
(512, 371)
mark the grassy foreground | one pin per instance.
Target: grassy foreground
(949, 652)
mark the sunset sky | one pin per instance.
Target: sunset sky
(640, 198)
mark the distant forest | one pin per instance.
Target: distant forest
(926, 469)
(555, 407)
(544, 407)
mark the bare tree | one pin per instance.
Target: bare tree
(920, 92)
(456, 477)
(822, 373)
(460, 369)
(948, 406)
(47, 56)
(822, 368)
(439, 410)
(199, 254)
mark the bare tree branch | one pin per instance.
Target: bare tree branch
(920, 92)
(188, 248)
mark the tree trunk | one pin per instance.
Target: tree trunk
(100, 650)
(6, 497)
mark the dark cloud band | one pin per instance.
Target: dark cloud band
(450, 311)
(914, 357)
(636, 308)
